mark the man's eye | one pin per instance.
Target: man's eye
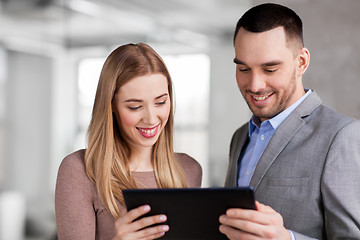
(243, 69)
(271, 70)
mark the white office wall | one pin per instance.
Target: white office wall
(3, 71)
(228, 110)
(28, 120)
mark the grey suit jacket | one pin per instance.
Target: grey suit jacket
(309, 172)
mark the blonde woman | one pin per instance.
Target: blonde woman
(130, 145)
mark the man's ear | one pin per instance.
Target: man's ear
(303, 61)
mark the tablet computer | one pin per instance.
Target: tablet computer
(192, 213)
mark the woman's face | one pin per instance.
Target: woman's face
(142, 108)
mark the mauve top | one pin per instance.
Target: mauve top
(79, 211)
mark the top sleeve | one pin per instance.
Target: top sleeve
(75, 215)
(192, 169)
(341, 184)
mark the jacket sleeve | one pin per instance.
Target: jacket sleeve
(299, 236)
(340, 186)
(236, 144)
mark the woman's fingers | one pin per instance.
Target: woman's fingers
(147, 221)
(134, 214)
(150, 233)
(132, 226)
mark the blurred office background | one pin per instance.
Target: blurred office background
(51, 53)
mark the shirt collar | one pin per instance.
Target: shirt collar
(278, 119)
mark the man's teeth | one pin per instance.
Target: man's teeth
(147, 131)
(260, 98)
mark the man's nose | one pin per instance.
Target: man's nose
(257, 82)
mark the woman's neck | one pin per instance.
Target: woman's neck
(140, 160)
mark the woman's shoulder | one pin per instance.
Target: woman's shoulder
(192, 169)
(72, 168)
(74, 160)
(187, 161)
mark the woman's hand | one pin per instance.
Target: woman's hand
(128, 229)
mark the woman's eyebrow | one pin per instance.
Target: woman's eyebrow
(162, 95)
(139, 100)
(133, 100)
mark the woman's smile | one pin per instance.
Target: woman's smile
(148, 132)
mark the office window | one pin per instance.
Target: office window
(3, 66)
(88, 76)
(191, 83)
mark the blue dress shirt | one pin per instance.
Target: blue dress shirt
(260, 134)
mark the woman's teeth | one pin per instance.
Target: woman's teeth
(148, 131)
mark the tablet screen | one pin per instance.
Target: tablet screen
(192, 213)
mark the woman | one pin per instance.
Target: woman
(130, 145)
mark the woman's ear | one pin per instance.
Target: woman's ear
(303, 61)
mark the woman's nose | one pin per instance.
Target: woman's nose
(149, 116)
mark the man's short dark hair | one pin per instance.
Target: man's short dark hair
(265, 17)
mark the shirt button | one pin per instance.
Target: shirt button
(262, 137)
(248, 173)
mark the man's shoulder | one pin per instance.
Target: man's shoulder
(313, 111)
(239, 135)
(330, 116)
(242, 130)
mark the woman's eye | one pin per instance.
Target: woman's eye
(134, 108)
(161, 103)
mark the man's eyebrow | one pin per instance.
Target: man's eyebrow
(272, 63)
(267, 64)
(237, 61)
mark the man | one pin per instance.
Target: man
(301, 158)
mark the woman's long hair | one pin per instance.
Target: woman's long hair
(107, 154)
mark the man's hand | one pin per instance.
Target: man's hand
(263, 223)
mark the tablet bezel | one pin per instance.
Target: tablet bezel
(192, 213)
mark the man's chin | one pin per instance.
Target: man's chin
(263, 115)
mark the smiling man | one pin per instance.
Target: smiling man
(301, 157)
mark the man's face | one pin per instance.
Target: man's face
(267, 71)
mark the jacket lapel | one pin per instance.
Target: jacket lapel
(237, 146)
(282, 136)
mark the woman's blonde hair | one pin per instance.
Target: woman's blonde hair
(107, 154)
